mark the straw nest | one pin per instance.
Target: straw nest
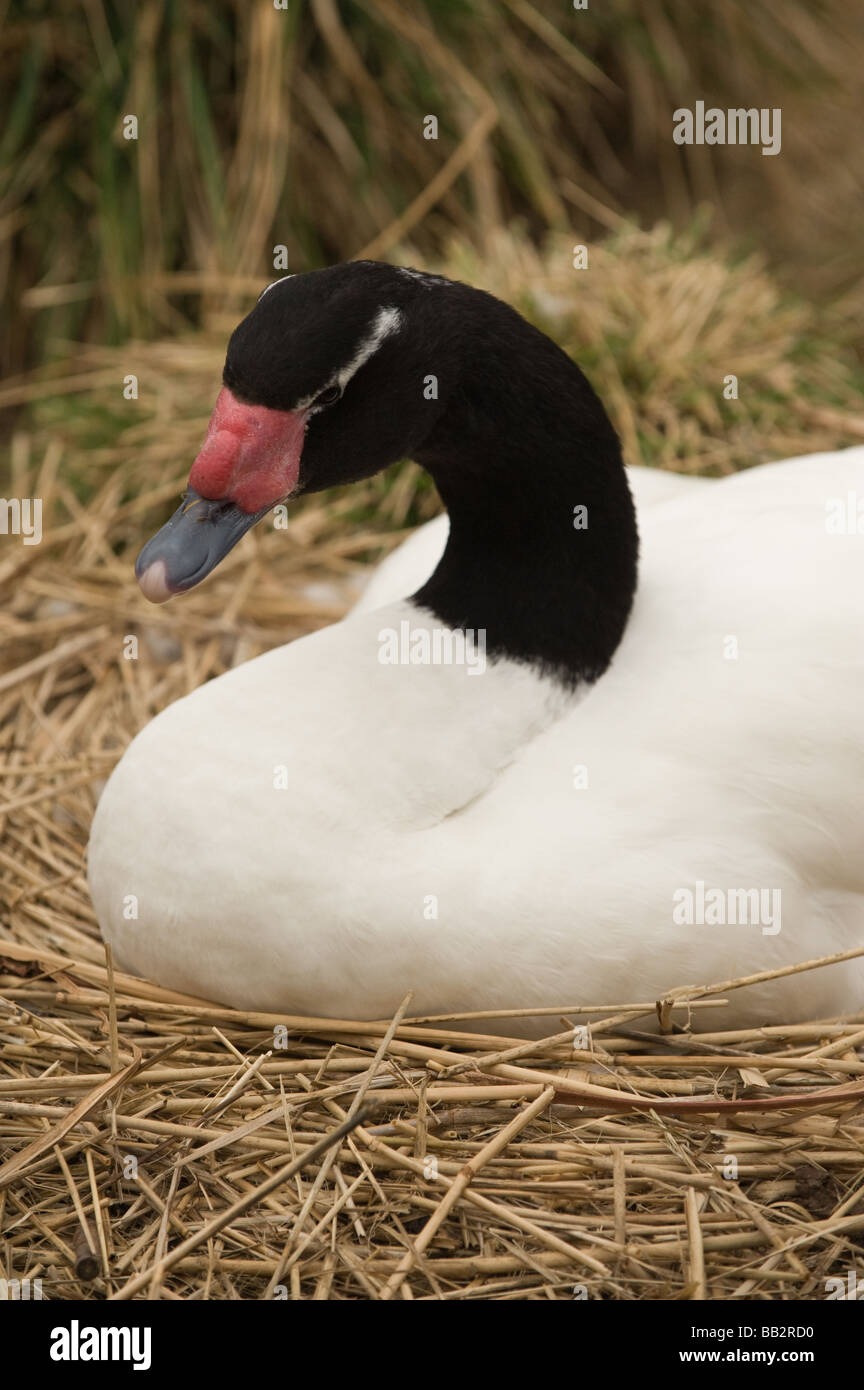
(156, 1146)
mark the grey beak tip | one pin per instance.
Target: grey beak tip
(190, 545)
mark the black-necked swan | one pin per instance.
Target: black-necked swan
(527, 785)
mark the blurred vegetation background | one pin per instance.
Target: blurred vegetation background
(302, 126)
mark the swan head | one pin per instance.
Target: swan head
(326, 382)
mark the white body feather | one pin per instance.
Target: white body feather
(430, 834)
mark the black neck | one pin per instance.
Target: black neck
(546, 591)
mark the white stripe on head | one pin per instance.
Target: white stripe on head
(388, 320)
(423, 277)
(272, 283)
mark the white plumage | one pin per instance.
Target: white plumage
(317, 833)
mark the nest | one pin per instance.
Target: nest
(167, 1147)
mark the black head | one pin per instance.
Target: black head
(349, 347)
(326, 381)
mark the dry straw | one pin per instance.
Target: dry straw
(382, 1160)
(155, 1146)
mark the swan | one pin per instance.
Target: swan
(512, 776)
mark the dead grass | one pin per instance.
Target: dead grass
(167, 1147)
(156, 1146)
(261, 127)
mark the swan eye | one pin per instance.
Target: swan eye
(328, 395)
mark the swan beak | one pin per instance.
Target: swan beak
(249, 461)
(190, 545)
